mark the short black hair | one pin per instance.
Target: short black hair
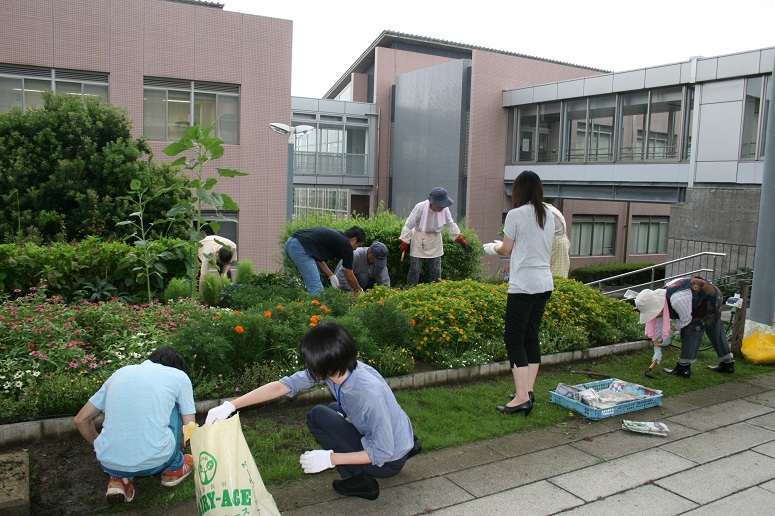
(357, 232)
(168, 357)
(223, 256)
(327, 350)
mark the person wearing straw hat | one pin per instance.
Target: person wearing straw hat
(696, 306)
(421, 235)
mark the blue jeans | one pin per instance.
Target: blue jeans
(307, 265)
(174, 463)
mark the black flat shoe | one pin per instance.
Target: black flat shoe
(525, 407)
(529, 395)
(360, 485)
(723, 367)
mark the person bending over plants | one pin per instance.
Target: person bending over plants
(145, 406)
(365, 433)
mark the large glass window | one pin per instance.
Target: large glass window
(592, 235)
(170, 106)
(688, 126)
(648, 235)
(337, 146)
(632, 128)
(23, 87)
(310, 200)
(575, 130)
(549, 130)
(602, 112)
(526, 143)
(751, 117)
(664, 123)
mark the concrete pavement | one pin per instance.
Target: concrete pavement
(719, 458)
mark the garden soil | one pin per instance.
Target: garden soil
(66, 479)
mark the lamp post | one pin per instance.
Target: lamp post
(293, 133)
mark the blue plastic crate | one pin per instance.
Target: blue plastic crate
(593, 413)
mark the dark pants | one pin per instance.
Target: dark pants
(415, 266)
(334, 432)
(523, 320)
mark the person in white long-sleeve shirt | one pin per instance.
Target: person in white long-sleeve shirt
(421, 235)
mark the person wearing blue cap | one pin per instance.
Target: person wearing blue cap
(421, 235)
(369, 267)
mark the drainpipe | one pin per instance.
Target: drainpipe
(763, 295)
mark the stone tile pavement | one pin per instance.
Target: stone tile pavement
(718, 459)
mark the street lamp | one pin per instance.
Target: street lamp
(293, 133)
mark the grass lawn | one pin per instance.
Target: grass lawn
(449, 415)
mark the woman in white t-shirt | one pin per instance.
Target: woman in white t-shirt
(528, 234)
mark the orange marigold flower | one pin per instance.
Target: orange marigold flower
(412, 322)
(324, 308)
(267, 314)
(315, 302)
(381, 303)
(279, 307)
(239, 329)
(236, 312)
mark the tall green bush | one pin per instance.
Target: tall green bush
(64, 167)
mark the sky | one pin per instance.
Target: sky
(613, 35)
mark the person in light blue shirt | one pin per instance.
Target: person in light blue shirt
(365, 433)
(145, 407)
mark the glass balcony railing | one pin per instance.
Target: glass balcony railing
(330, 164)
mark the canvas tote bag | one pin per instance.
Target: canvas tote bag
(226, 478)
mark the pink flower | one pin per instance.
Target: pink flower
(73, 364)
(93, 365)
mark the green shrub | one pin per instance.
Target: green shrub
(244, 271)
(178, 288)
(212, 287)
(64, 268)
(558, 338)
(265, 289)
(599, 272)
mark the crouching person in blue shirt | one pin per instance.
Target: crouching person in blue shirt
(145, 406)
(365, 433)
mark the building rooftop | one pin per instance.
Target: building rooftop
(201, 3)
(399, 40)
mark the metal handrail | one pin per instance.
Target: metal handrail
(652, 268)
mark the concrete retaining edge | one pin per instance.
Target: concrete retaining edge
(51, 429)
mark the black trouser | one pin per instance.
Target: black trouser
(334, 432)
(523, 320)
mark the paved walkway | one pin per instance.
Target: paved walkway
(718, 459)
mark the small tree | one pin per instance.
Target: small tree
(196, 140)
(64, 169)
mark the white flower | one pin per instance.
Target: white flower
(7, 385)
(36, 373)
(19, 384)
(18, 375)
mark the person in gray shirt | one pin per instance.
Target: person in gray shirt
(369, 267)
(365, 433)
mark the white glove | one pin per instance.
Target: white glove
(490, 248)
(334, 281)
(666, 342)
(219, 413)
(316, 461)
(657, 356)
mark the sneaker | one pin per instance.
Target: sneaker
(173, 478)
(120, 490)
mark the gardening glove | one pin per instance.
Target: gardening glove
(666, 342)
(490, 248)
(462, 241)
(316, 461)
(219, 413)
(657, 356)
(404, 246)
(334, 281)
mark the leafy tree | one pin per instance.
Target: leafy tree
(65, 169)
